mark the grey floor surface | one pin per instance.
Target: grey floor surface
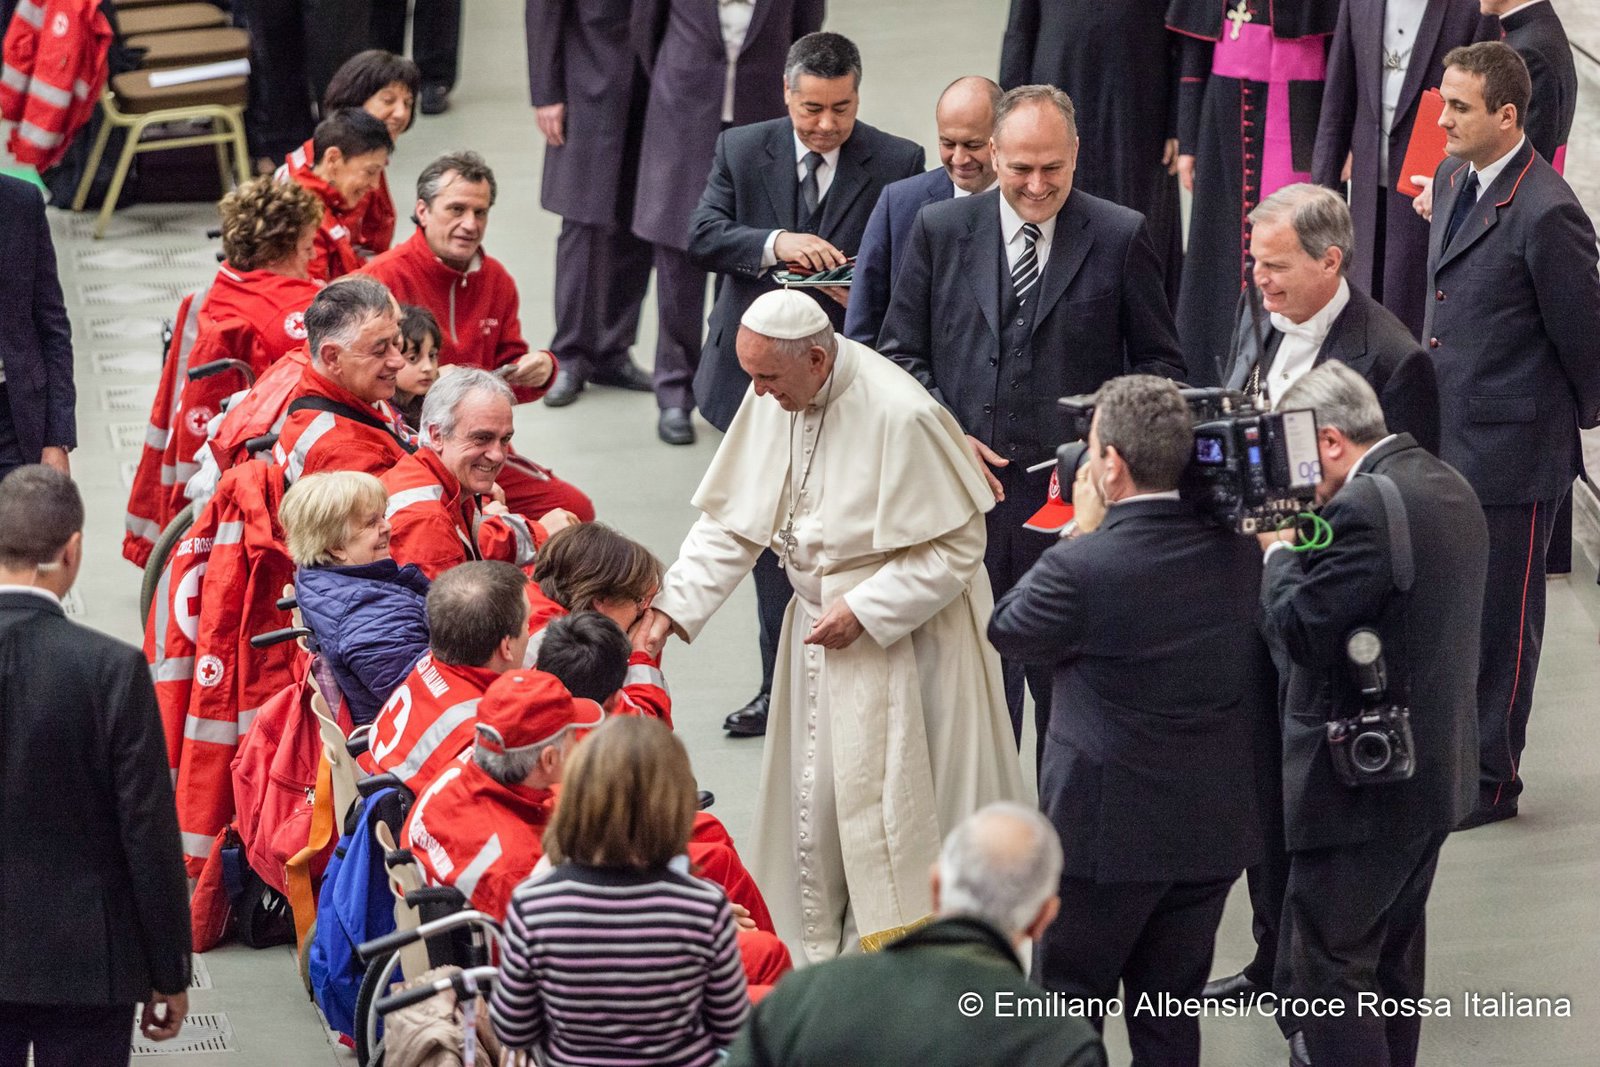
(1514, 905)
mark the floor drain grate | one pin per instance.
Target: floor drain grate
(127, 397)
(200, 974)
(126, 436)
(206, 1031)
(134, 326)
(134, 293)
(145, 362)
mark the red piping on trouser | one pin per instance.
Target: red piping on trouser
(1522, 618)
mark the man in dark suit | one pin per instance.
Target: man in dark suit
(94, 909)
(1012, 299)
(37, 421)
(791, 190)
(588, 98)
(1149, 624)
(1384, 55)
(711, 66)
(1303, 311)
(1362, 856)
(1514, 332)
(965, 120)
(1535, 31)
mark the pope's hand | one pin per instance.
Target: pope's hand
(987, 457)
(1423, 203)
(1088, 509)
(532, 370)
(838, 627)
(653, 631)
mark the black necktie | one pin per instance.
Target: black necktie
(1025, 271)
(1466, 200)
(808, 184)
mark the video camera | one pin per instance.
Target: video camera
(1251, 469)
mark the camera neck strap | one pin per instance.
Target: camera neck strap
(1401, 559)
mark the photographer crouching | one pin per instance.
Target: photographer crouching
(1380, 747)
(1149, 617)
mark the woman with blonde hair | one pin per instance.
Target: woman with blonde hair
(368, 614)
(620, 898)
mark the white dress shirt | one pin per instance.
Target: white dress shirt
(734, 18)
(960, 192)
(1297, 352)
(1507, 14)
(36, 590)
(825, 172)
(1011, 234)
(1401, 20)
(1487, 175)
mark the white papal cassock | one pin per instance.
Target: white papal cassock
(876, 751)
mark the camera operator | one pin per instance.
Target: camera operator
(1363, 845)
(1160, 691)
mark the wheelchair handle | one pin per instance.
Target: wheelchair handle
(278, 637)
(360, 741)
(370, 950)
(260, 444)
(482, 976)
(217, 366)
(400, 857)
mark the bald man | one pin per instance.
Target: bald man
(965, 117)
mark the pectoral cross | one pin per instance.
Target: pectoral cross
(1239, 16)
(790, 541)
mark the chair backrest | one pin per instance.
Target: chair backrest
(403, 878)
(341, 766)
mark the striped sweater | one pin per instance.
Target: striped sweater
(604, 967)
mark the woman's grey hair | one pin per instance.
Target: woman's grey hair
(513, 768)
(1342, 399)
(1000, 865)
(469, 166)
(1320, 217)
(342, 308)
(438, 417)
(1024, 95)
(822, 55)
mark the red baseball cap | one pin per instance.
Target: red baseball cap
(526, 708)
(1056, 512)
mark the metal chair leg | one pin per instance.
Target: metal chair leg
(241, 148)
(135, 132)
(224, 167)
(99, 149)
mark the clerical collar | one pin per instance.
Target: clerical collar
(1011, 223)
(1315, 329)
(830, 159)
(1170, 494)
(1487, 175)
(824, 390)
(960, 192)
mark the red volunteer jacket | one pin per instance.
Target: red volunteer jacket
(427, 722)
(436, 526)
(371, 221)
(53, 69)
(477, 308)
(644, 689)
(312, 440)
(335, 254)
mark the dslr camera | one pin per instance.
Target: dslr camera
(1251, 469)
(1374, 746)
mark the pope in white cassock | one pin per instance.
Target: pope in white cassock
(888, 722)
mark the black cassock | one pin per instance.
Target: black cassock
(1119, 64)
(1250, 92)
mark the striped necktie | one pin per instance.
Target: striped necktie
(1025, 272)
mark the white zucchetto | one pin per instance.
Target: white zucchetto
(785, 315)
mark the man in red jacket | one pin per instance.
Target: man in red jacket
(351, 150)
(441, 508)
(443, 268)
(477, 630)
(339, 416)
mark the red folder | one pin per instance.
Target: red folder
(1426, 150)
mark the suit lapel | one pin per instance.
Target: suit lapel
(847, 183)
(1071, 243)
(1444, 202)
(1421, 54)
(756, 18)
(1366, 27)
(780, 177)
(980, 251)
(1347, 338)
(1483, 217)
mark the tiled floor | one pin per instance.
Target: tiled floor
(1513, 907)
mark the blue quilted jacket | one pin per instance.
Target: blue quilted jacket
(371, 625)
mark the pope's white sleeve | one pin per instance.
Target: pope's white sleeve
(711, 564)
(918, 583)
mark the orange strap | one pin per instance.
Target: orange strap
(297, 872)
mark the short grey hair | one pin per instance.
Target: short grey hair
(1147, 421)
(1320, 217)
(513, 768)
(794, 348)
(342, 308)
(1342, 400)
(469, 166)
(985, 875)
(1027, 95)
(822, 55)
(438, 419)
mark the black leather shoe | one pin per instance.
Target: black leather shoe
(675, 427)
(706, 798)
(626, 375)
(1299, 1055)
(565, 390)
(435, 100)
(1235, 986)
(750, 720)
(1484, 814)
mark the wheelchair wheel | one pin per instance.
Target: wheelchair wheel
(157, 563)
(381, 974)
